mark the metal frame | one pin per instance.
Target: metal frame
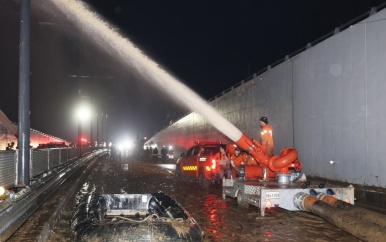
(256, 193)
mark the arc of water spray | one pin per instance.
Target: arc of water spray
(129, 54)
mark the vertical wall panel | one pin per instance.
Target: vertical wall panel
(376, 100)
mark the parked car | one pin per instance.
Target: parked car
(202, 162)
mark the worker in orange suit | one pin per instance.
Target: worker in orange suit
(237, 159)
(266, 137)
(225, 163)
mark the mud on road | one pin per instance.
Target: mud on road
(221, 220)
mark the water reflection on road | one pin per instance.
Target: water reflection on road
(167, 166)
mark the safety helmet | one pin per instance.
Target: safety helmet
(264, 119)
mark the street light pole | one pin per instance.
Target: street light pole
(23, 177)
(82, 114)
(79, 121)
(79, 133)
(97, 129)
(91, 131)
(102, 129)
(107, 132)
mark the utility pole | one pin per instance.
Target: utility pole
(24, 95)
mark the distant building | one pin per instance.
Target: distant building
(8, 134)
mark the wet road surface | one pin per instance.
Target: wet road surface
(221, 220)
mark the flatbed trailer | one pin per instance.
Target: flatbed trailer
(266, 194)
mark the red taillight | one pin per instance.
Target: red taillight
(213, 164)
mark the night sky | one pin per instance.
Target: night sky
(208, 45)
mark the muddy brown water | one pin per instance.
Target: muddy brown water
(221, 220)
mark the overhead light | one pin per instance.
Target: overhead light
(2, 191)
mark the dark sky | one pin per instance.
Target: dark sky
(208, 45)
(223, 42)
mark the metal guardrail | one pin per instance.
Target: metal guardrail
(8, 168)
(41, 162)
(18, 205)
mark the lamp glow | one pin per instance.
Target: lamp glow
(83, 112)
(2, 191)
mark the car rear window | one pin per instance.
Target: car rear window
(210, 150)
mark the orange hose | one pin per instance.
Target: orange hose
(281, 164)
(284, 161)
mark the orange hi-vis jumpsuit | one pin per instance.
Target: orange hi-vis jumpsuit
(237, 162)
(267, 138)
(224, 159)
(225, 165)
(223, 156)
